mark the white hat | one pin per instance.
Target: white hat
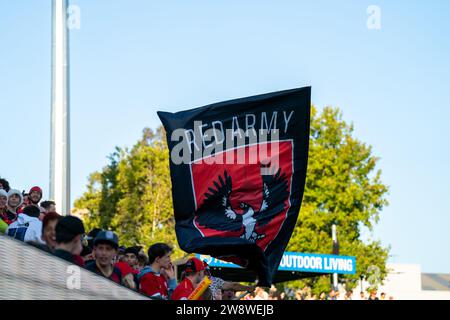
(14, 191)
(3, 193)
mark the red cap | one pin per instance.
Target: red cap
(194, 265)
(36, 189)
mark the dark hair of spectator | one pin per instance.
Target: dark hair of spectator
(158, 250)
(132, 250)
(68, 228)
(49, 217)
(32, 211)
(142, 259)
(5, 184)
(46, 204)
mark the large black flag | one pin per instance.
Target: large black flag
(238, 172)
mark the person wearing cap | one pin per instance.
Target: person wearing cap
(157, 280)
(69, 235)
(218, 285)
(128, 264)
(194, 274)
(15, 200)
(35, 196)
(27, 227)
(105, 248)
(131, 256)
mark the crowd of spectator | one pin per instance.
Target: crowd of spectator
(25, 217)
(306, 294)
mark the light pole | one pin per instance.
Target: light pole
(60, 110)
(361, 277)
(335, 252)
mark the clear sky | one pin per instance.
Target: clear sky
(131, 58)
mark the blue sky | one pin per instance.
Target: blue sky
(132, 58)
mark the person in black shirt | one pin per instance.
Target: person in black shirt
(69, 234)
(106, 244)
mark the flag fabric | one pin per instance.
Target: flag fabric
(238, 171)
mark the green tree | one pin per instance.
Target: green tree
(344, 188)
(132, 196)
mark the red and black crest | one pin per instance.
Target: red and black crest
(240, 202)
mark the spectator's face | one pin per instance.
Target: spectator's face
(3, 201)
(199, 277)
(218, 295)
(51, 208)
(131, 259)
(104, 254)
(35, 196)
(49, 234)
(14, 201)
(165, 261)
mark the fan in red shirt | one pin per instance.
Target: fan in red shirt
(131, 257)
(158, 280)
(194, 274)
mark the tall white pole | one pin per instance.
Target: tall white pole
(60, 114)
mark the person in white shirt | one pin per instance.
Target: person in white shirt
(27, 227)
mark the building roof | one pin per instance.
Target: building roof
(436, 281)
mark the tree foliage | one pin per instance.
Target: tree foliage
(132, 194)
(344, 188)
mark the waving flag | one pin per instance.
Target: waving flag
(238, 172)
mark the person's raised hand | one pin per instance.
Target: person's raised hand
(168, 273)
